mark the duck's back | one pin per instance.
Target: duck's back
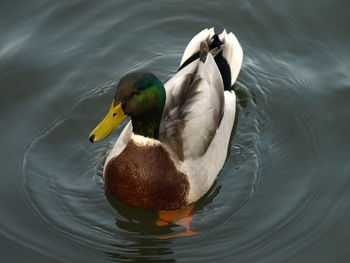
(203, 130)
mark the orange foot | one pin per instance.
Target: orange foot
(182, 217)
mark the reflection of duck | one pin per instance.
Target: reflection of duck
(176, 144)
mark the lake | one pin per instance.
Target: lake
(284, 192)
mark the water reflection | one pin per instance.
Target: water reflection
(143, 222)
(143, 250)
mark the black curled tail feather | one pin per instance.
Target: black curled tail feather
(215, 42)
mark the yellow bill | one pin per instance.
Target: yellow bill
(114, 117)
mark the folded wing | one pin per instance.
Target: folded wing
(194, 108)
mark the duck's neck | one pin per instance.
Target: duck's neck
(147, 124)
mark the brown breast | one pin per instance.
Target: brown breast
(146, 177)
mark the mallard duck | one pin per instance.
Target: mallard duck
(175, 145)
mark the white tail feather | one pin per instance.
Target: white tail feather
(233, 53)
(232, 50)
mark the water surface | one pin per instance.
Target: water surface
(283, 194)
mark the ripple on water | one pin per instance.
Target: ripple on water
(283, 192)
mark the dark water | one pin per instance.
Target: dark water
(284, 193)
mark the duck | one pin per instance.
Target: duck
(176, 140)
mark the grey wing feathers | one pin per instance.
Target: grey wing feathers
(194, 108)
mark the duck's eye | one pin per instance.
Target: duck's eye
(135, 92)
(114, 114)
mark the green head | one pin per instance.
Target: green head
(139, 95)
